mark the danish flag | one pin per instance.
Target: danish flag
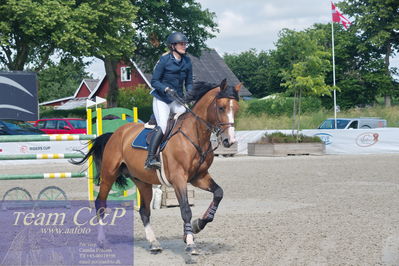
(338, 17)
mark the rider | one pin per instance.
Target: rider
(173, 69)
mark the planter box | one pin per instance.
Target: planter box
(285, 149)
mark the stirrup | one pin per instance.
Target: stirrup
(152, 164)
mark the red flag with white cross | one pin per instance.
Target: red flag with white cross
(338, 17)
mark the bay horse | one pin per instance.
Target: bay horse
(186, 159)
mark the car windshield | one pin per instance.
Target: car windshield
(330, 124)
(78, 124)
(18, 125)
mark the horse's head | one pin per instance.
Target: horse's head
(227, 106)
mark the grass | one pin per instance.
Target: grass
(312, 120)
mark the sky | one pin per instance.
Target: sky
(256, 23)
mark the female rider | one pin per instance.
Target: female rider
(172, 71)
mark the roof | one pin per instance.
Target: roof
(91, 83)
(72, 104)
(211, 68)
(56, 100)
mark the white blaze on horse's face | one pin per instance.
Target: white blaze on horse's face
(227, 110)
(231, 130)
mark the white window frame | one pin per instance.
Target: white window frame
(125, 75)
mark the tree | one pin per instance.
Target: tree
(62, 79)
(109, 36)
(32, 30)
(377, 21)
(307, 77)
(29, 31)
(360, 73)
(157, 19)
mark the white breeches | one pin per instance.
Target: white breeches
(162, 110)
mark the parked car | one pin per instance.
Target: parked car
(353, 123)
(62, 125)
(15, 127)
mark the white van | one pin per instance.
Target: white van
(353, 123)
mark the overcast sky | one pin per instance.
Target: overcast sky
(256, 23)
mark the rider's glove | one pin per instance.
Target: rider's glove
(170, 92)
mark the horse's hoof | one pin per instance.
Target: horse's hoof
(195, 226)
(192, 249)
(155, 247)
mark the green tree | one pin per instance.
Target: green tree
(29, 31)
(157, 19)
(307, 78)
(377, 22)
(360, 73)
(109, 36)
(62, 79)
(33, 30)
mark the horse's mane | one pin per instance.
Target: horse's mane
(201, 88)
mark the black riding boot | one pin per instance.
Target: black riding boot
(152, 161)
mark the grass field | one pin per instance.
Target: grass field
(312, 120)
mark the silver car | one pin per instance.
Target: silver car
(353, 123)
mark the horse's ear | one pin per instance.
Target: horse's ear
(238, 86)
(223, 84)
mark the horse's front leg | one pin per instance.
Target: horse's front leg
(206, 182)
(181, 194)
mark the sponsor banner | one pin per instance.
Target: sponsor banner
(17, 148)
(343, 141)
(51, 233)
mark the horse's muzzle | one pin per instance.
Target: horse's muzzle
(226, 143)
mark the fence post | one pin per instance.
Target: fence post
(90, 179)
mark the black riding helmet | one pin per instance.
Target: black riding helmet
(176, 37)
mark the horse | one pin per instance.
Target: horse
(186, 159)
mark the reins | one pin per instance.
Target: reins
(214, 129)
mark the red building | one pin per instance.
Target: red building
(128, 76)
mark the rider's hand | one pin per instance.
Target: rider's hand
(170, 92)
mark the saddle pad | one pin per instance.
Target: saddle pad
(140, 141)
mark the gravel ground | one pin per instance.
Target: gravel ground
(302, 210)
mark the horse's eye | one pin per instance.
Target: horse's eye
(221, 109)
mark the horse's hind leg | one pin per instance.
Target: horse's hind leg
(207, 183)
(145, 212)
(109, 173)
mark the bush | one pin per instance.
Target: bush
(282, 106)
(278, 137)
(139, 97)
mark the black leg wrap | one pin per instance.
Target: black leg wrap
(188, 229)
(100, 207)
(210, 213)
(218, 195)
(198, 225)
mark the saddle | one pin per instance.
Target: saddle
(143, 138)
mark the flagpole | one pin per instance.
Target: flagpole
(333, 59)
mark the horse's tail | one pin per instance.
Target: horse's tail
(96, 150)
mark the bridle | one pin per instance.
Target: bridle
(218, 129)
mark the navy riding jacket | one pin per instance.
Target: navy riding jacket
(171, 73)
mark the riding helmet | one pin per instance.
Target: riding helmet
(176, 37)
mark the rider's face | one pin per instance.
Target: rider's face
(181, 47)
